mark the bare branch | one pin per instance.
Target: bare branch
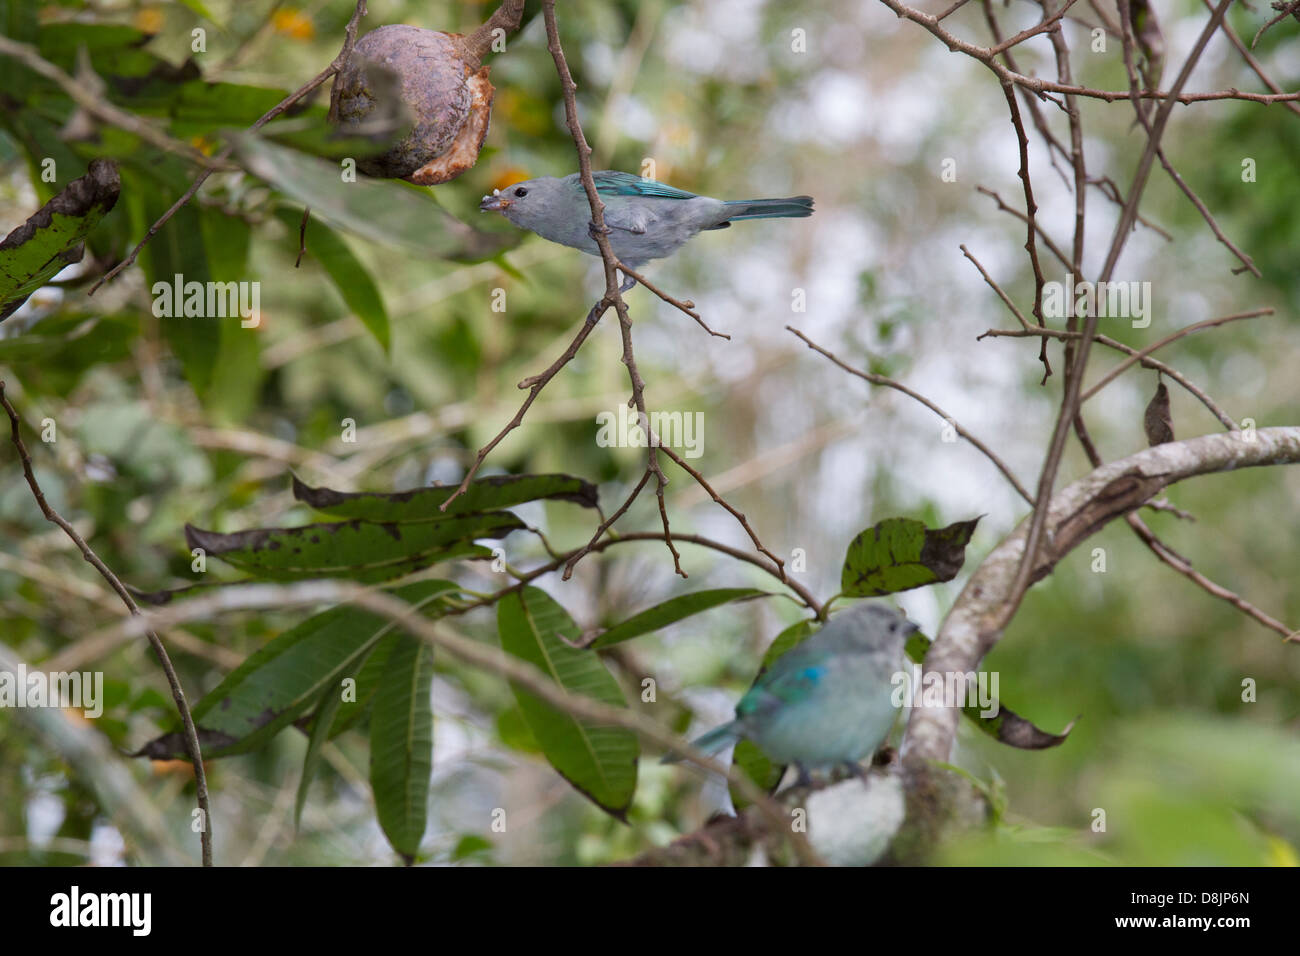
(178, 693)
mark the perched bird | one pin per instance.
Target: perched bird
(646, 219)
(827, 701)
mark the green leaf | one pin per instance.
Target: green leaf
(599, 761)
(367, 677)
(401, 745)
(787, 640)
(900, 553)
(179, 250)
(281, 680)
(671, 611)
(424, 504)
(359, 550)
(410, 217)
(58, 350)
(51, 239)
(347, 273)
(237, 375)
(331, 699)
(201, 9)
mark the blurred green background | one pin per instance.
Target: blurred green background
(864, 120)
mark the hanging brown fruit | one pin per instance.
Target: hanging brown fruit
(444, 94)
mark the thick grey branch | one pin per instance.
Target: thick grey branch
(969, 631)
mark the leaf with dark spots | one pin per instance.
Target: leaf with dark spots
(1005, 726)
(1157, 421)
(277, 684)
(898, 554)
(360, 550)
(172, 746)
(597, 760)
(424, 504)
(51, 239)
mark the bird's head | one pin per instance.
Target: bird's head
(525, 204)
(877, 627)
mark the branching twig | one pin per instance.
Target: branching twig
(682, 305)
(1171, 337)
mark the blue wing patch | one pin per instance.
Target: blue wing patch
(775, 690)
(613, 183)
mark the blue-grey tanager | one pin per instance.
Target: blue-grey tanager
(646, 219)
(827, 701)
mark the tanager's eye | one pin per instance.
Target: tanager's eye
(521, 192)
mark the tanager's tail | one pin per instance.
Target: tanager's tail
(719, 738)
(795, 207)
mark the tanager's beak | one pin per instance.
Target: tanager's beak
(494, 203)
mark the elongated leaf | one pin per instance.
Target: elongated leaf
(347, 273)
(179, 250)
(410, 218)
(900, 553)
(367, 678)
(671, 611)
(401, 745)
(600, 761)
(359, 550)
(281, 680)
(238, 373)
(51, 239)
(424, 504)
(327, 706)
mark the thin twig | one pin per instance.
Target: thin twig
(1286, 11)
(534, 384)
(1172, 337)
(1184, 567)
(1147, 362)
(178, 693)
(682, 305)
(898, 386)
